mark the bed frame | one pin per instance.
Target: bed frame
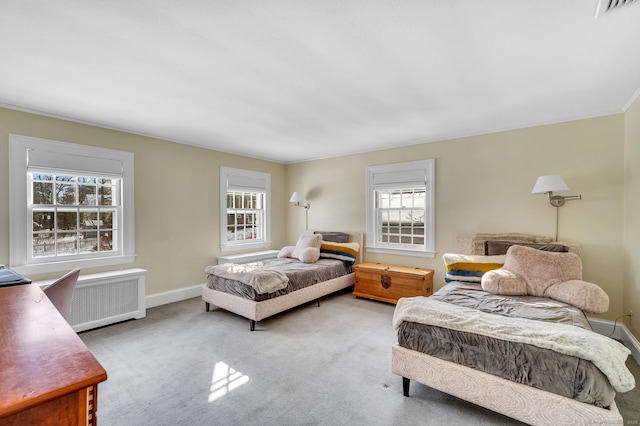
(515, 400)
(257, 311)
(521, 402)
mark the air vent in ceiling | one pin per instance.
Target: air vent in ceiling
(606, 6)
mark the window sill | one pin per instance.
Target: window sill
(400, 252)
(67, 265)
(247, 246)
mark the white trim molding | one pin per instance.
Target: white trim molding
(43, 153)
(621, 333)
(171, 296)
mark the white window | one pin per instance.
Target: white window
(245, 199)
(71, 206)
(400, 210)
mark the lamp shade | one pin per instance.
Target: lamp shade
(297, 197)
(551, 183)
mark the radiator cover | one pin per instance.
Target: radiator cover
(108, 297)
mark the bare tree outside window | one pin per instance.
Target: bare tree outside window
(72, 215)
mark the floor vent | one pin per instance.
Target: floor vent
(606, 6)
(108, 297)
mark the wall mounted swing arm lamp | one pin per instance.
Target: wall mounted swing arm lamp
(550, 184)
(298, 200)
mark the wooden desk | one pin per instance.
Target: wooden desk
(47, 374)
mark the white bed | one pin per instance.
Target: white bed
(257, 311)
(518, 401)
(515, 400)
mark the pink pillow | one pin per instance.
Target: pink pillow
(307, 241)
(286, 251)
(307, 249)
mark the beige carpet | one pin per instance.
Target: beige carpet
(309, 366)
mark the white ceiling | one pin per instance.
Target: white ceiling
(294, 80)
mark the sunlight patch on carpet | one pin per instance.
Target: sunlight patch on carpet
(224, 380)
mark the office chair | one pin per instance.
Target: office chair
(61, 292)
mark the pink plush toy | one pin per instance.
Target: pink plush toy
(306, 250)
(558, 276)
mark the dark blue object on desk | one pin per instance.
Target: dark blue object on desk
(8, 277)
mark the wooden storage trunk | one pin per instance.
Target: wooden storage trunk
(388, 283)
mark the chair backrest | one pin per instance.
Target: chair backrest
(61, 292)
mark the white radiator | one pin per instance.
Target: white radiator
(107, 297)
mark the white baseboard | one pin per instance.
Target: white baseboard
(171, 296)
(621, 332)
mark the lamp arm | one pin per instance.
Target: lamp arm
(559, 200)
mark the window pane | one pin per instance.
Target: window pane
(385, 200)
(42, 192)
(42, 176)
(67, 220)
(65, 190)
(407, 198)
(417, 216)
(88, 242)
(230, 200)
(44, 244)
(89, 220)
(105, 194)
(43, 221)
(231, 234)
(106, 241)
(67, 243)
(87, 195)
(107, 220)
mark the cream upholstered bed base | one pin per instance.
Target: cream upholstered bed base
(256, 311)
(518, 401)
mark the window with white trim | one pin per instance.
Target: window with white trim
(244, 209)
(71, 206)
(400, 210)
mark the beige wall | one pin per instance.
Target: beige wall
(176, 197)
(483, 184)
(632, 217)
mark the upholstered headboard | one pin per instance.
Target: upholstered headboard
(345, 237)
(476, 244)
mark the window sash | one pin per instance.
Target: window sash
(244, 206)
(237, 229)
(400, 223)
(400, 210)
(49, 245)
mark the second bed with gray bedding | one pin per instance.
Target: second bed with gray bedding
(300, 275)
(523, 363)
